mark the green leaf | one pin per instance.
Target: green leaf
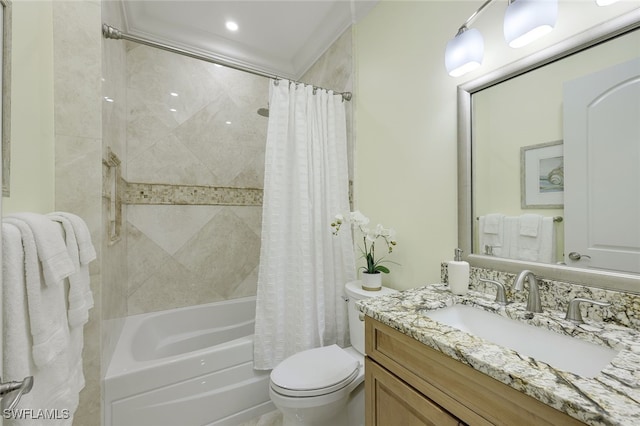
(383, 269)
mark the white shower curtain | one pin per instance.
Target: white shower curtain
(303, 267)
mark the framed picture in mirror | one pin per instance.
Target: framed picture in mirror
(542, 176)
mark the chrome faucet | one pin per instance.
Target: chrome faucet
(533, 301)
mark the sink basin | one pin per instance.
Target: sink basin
(559, 351)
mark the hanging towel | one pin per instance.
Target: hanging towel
(548, 251)
(17, 343)
(491, 233)
(540, 248)
(80, 296)
(493, 223)
(80, 301)
(51, 249)
(46, 304)
(529, 224)
(83, 237)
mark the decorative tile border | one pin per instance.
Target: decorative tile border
(155, 193)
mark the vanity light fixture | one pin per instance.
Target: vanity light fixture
(464, 52)
(524, 21)
(528, 20)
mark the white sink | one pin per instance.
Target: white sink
(559, 351)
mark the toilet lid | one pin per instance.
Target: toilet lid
(314, 372)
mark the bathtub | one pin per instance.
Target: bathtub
(187, 366)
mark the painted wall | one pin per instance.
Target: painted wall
(405, 118)
(32, 117)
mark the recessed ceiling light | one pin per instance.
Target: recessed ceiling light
(227, 122)
(231, 26)
(173, 109)
(173, 94)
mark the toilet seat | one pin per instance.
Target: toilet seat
(314, 372)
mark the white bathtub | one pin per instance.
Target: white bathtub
(187, 366)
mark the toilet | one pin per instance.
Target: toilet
(325, 386)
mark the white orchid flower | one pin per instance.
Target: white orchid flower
(369, 237)
(358, 218)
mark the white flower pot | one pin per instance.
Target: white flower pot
(371, 282)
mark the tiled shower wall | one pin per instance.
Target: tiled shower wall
(192, 128)
(193, 133)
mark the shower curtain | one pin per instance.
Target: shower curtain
(303, 266)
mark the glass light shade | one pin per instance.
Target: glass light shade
(464, 52)
(527, 20)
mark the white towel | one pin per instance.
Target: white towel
(58, 383)
(83, 237)
(46, 304)
(548, 251)
(83, 296)
(493, 223)
(17, 343)
(534, 249)
(52, 251)
(491, 233)
(529, 225)
(80, 295)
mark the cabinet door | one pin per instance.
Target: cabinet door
(392, 402)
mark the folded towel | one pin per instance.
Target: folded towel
(46, 304)
(541, 248)
(58, 383)
(493, 223)
(83, 237)
(548, 250)
(16, 333)
(491, 233)
(80, 295)
(529, 224)
(51, 249)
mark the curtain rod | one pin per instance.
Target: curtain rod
(110, 32)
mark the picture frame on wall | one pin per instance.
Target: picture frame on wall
(5, 94)
(542, 176)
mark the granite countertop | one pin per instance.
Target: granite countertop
(610, 398)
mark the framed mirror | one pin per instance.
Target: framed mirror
(5, 96)
(472, 162)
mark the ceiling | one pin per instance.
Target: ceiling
(278, 38)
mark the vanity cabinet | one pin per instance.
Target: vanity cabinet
(408, 383)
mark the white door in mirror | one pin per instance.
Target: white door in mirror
(602, 149)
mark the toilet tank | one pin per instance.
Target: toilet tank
(356, 326)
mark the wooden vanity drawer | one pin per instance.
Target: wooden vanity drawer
(470, 395)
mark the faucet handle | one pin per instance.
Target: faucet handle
(573, 310)
(501, 296)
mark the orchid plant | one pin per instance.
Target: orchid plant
(369, 237)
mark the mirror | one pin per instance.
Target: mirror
(491, 89)
(5, 95)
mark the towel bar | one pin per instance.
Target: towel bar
(555, 218)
